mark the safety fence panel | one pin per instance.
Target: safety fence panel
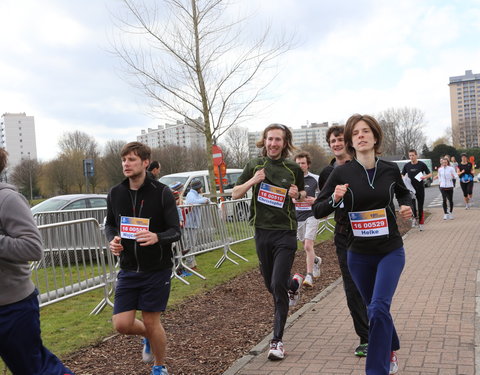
(75, 261)
(50, 217)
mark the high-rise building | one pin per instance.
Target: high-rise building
(18, 138)
(314, 133)
(179, 134)
(465, 105)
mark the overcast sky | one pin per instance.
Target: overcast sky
(351, 56)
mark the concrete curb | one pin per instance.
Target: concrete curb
(262, 345)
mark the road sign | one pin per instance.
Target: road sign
(217, 155)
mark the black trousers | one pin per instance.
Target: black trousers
(355, 303)
(447, 194)
(276, 252)
(420, 195)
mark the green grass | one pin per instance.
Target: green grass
(67, 325)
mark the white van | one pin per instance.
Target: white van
(187, 177)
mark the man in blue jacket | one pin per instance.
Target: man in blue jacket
(142, 223)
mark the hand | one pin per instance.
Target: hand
(293, 191)
(339, 192)
(116, 246)
(405, 212)
(146, 238)
(309, 200)
(259, 176)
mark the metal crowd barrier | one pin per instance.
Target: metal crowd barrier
(206, 228)
(76, 260)
(50, 217)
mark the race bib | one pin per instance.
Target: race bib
(302, 206)
(129, 226)
(369, 223)
(272, 195)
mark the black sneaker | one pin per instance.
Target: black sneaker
(361, 350)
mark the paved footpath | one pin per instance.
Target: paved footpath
(434, 310)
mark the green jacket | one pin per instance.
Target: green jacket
(274, 209)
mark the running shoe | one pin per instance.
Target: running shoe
(450, 216)
(308, 281)
(414, 222)
(393, 363)
(276, 351)
(361, 350)
(147, 355)
(316, 267)
(445, 217)
(159, 370)
(467, 206)
(294, 295)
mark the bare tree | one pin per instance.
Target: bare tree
(236, 146)
(75, 147)
(25, 177)
(110, 164)
(403, 130)
(191, 60)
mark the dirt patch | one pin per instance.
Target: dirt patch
(208, 332)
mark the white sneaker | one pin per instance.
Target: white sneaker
(467, 206)
(450, 216)
(308, 281)
(276, 351)
(147, 355)
(316, 267)
(393, 363)
(294, 296)
(420, 227)
(414, 222)
(445, 217)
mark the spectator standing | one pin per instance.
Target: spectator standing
(307, 223)
(376, 256)
(356, 306)
(194, 220)
(465, 171)
(276, 182)
(418, 172)
(143, 282)
(154, 170)
(21, 346)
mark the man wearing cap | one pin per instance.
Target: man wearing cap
(276, 182)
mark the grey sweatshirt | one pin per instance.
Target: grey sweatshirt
(20, 242)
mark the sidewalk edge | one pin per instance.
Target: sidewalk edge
(262, 345)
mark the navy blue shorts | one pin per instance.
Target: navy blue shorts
(143, 291)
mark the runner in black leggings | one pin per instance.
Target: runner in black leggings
(466, 172)
(418, 172)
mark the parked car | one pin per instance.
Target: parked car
(71, 202)
(187, 177)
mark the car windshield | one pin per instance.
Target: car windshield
(170, 180)
(49, 205)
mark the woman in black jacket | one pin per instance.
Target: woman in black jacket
(365, 187)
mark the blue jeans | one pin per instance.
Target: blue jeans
(21, 346)
(376, 277)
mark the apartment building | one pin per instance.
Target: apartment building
(313, 133)
(465, 105)
(179, 134)
(17, 136)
